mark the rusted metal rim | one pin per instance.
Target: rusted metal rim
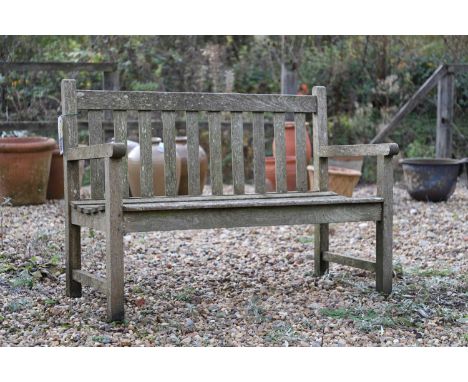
(26, 144)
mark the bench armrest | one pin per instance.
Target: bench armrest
(385, 149)
(106, 150)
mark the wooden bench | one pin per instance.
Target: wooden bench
(112, 211)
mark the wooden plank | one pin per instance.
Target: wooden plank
(136, 100)
(72, 187)
(216, 174)
(96, 222)
(258, 132)
(104, 150)
(193, 163)
(62, 66)
(146, 172)
(120, 136)
(96, 136)
(384, 227)
(248, 217)
(359, 150)
(237, 149)
(445, 102)
(169, 134)
(457, 68)
(349, 261)
(90, 280)
(280, 153)
(417, 97)
(301, 159)
(114, 242)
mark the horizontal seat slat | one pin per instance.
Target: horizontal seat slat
(136, 100)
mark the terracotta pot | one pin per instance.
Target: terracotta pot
(24, 169)
(55, 187)
(181, 147)
(270, 173)
(340, 180)
(159, 182)
(290, 139)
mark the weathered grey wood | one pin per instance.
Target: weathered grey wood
(258, 137)
(169, 134)
(248, 217)
(445, 102)
(120, 136)
(320, 139)
(72, 187)
(114, 241)
(96, 137)
(417, 97)
(63, 66)
(193, 164)
(89, 279)
(96, 222)
(384, 227)
(101, 100)
(146, 172)
(216, 175)
(237, 148)
(359, 150)
(301, 159)
(280, 153)
(349, 261)
(457, 68)
(103, 150)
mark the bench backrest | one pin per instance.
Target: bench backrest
(96, 102)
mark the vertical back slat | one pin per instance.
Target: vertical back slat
(237, 148)
(96, 136)
(146, 172)
(120, 136)
(169, 134)
(193, 165)
(320, 138)
(258, 152)
(301, 164)
(216, 175)
(280, 152)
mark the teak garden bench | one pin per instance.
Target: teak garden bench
(111, 210)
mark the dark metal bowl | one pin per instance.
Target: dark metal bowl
(430, 179)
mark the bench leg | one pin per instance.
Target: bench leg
(72, 258)
(321, 245)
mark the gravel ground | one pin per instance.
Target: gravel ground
(242, 287)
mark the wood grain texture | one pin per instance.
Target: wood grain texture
(145, 134)
(193, 165)
(96, 222)
(258, 137)
(280, 149)
(96, 137)
(104, 150)
(237, 149)
(445, 103)
(301, 159)
(120, 136)
(169, 134)
(349, 261)
(216, 175)
(384, 227)
(135, 100)
(72, 187)
(359, 150)
(90, 280)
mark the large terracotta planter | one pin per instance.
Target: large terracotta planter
(290, 139)
(270, 173)
(340, 180)
(24, 169)
(182, 152)
(159, 182)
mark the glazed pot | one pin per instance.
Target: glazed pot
(340, 180)
(270, 173)
(159, 182)
(429, 179)
(290, 139)
(24, 169)
(182, 153)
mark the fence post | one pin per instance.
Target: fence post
(445, 101)
(110, 82)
